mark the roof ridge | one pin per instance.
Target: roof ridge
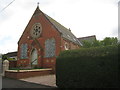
(87, 36)
(57, 22)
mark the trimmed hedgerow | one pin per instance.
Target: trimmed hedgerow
(88, 68)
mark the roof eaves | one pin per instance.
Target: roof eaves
(87, 37)
(76, 42)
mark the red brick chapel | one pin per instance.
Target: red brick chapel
(42, 41)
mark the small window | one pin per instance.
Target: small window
(66, 46)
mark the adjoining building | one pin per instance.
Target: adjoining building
(11, 55)
(90, 39)
(42, 41)
(0, 56)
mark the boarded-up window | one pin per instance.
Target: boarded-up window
(24, 48)
(50, 47)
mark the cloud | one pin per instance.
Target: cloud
(8, 48)
(8, 44)
(83, 17)
(5, 40)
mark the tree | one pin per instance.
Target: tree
(86, 44)
(105, 42)
(109, 41)
(96, 43)
(4, 57)
(115, 41)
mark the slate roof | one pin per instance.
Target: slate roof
(66, 33)
(11, 54)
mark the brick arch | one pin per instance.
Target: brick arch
(35, 44)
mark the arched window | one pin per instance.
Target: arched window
(66, 46)
(24, 48)
(50, 47)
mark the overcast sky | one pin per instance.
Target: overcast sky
(83, 17)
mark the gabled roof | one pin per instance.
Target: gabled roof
(66, 33)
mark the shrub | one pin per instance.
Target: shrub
(88, 68)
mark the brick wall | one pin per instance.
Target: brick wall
(12, 64)
(48, 31)
(19, 75)
(70, 44)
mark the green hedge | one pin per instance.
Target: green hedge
(88, 68)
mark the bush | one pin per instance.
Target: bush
(88, 68)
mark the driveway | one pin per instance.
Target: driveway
(49, 80)
(13, 83)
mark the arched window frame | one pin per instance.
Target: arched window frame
(50, 48)
(66, 46)
(36, 61)
(23, 53)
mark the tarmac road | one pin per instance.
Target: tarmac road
(13, 83)
(0, 82)
(0, 74)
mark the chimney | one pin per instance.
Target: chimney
(69, 30)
